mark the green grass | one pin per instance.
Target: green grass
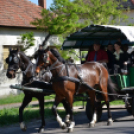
(117, 102)
(19, 98)
(10, 116)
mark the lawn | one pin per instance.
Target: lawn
(10, 116)
(19, 98)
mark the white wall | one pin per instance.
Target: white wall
(10, 36)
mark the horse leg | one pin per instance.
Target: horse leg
(72, 123)
(27, 99)
(110, 121)
(66, 106)
(104, 89)
(94, 107)
(54, 110)
(41, 105)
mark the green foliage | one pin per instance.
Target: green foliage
(59, 20)
(66, 54)
(28, 40)
(19, 98)
(67, 16)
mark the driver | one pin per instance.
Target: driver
(97, 54)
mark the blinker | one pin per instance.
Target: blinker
(16, 60)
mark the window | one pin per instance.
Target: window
(5, 55)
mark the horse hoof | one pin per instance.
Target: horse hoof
(110, 122)
(71, 127)
(41, 130)
(23, 126)
(91, 125)
(70, 130)
(64, 126)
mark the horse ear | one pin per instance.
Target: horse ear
(46, 50)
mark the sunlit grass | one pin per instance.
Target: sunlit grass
(19, 98)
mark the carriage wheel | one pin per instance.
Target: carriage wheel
(89, 110)
(129, 108)
(133, 106)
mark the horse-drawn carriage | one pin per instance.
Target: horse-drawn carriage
(107, 34)
(70, 77)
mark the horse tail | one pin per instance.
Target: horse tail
(112, 90)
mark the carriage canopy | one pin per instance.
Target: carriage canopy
(105, 34)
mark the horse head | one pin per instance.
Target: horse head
(13, 63)
(18, 60)
(43, 60)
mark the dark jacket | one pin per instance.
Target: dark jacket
(111, 60)
(123, 57)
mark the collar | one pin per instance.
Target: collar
(115, 53)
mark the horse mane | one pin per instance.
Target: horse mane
(57, 55)
(24, 56)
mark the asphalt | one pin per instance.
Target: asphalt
(123, 124)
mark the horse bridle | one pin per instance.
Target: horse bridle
(16, 60)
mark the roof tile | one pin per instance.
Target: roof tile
(18, 13)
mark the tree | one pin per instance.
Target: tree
(66, 16)
(27, 39)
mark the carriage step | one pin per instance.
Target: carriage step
(127, 89)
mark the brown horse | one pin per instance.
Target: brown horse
(18, 60)
(93, 74)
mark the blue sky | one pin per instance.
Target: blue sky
(48, 2)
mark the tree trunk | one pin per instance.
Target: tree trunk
(46, 39)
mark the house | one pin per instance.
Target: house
(15, 18)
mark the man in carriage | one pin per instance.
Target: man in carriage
(98, 54)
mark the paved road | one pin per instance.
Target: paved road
(123, 124)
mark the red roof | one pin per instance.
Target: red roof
(18, 13)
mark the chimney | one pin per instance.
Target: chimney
(42, 3)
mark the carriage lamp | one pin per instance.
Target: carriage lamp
(125, 65)
(125, 71)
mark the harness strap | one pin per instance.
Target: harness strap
(52, 66)
(80, 78)
(28, 68)
(66, 66)
(79, 70)
(76, 80)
